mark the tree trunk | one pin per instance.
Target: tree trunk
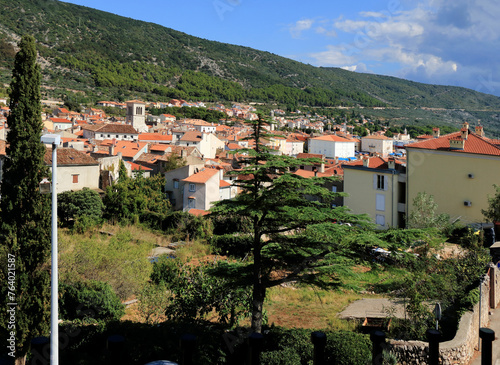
(259, 294)
(259, 290)
(20, 360)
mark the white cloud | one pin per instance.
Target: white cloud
(438, 41)
(300, 26)
(326, 32)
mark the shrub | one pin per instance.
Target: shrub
(183, 225)
(286, 356)
(231, 245)
(83, 204)
(347, 348)
(89, 300)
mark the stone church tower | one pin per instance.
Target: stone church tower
(136, 115)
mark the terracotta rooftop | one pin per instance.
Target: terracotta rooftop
(192, 136)
(202, 177)
(61, 120)
(473, 144)
(137, 167)
(198, 212)
(375, 162)
(116, 128)
(377, 137)
(155, 137)
(331, 138)
(69, 156)
(310, 155)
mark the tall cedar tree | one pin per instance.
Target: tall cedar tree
(25, 213)
(293, 228)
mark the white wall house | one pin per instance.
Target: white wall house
(75, 170)
(120, 132)
(381, 145)
(332, 146)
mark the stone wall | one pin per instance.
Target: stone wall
(461, 348)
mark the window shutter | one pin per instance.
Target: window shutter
(386, 182)
(375, 181)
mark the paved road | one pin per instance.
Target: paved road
(495, 326)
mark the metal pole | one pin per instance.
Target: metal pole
(488, 337)
(54, 329)
(433, 336)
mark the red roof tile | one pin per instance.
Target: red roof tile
(201, 177)
(331, 138)
(473, 144)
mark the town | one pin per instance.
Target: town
(381, 175)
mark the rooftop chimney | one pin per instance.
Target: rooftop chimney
(480, 130)
(391, 163)
(366, 162)
(436, 132)
(457, 143)
(464, 133)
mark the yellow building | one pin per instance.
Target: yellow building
(457, 169)
(376, 186)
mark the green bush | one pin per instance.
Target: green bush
(83, 204)
(183, 225)
(89, 300)
(347, 348)
(231, 245)
(287, 356)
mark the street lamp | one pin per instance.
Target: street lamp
(55, 140)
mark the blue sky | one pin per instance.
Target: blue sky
(446, 42)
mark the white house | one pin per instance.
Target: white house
(120, 132)
(206, 143)
(75, 170)
(332, 146)
(375, 144)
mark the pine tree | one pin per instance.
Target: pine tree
(292, 218)
(25, 213)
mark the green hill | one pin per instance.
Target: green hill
(108, 56)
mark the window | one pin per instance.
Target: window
(380, 202)
(191, 203)
(380, 219)
(192, 187)
(334, 189)
(176, 184)
(380, 182)
(75, 179)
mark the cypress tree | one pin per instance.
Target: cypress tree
(25, 213)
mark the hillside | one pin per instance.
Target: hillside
(108, 56)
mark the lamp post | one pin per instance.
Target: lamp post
(54, 140)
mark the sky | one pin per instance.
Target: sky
(444, 42)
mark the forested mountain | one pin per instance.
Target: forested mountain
(108, 56)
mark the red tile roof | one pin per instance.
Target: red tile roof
(69, 156)
(137, 167)
(201, 177)
(155, 137)
(224, 184)
(331, 138)
(192, 136)
(61, 120)
(198, 212)
(473, 144)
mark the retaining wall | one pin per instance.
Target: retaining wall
(461, 348)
